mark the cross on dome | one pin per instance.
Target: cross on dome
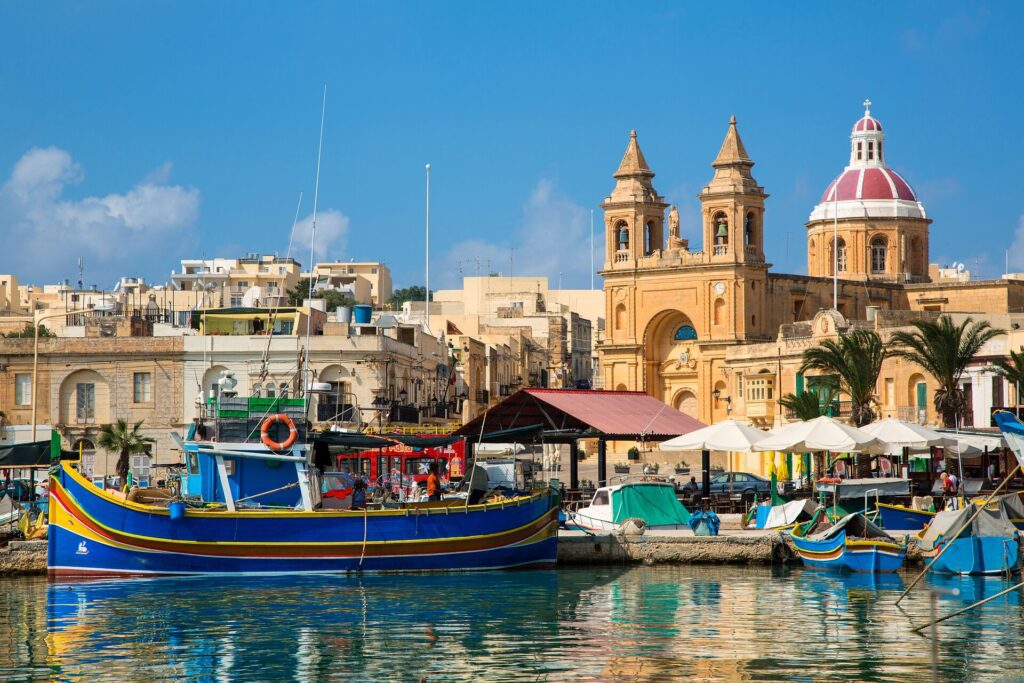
(867, 107)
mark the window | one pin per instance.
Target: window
(748, 229)
(890, 391)
(842, 255)
(141, 467)
(997, 391)
(860, 151)
(685, 333)
(878, 255)
(143, 392)
(236, 301)
(879, 150)
(741, 478)
(721, 479)
(85, 402)
(271, 390)
(871, 150)
(22, 389)
(373, 271)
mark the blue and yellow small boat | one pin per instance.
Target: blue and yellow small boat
(853, 544)
(903, 518)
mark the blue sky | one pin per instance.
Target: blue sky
(137, 134)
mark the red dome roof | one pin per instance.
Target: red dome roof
(874, 182)
(867, 124)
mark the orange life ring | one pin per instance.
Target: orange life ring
(293, 433)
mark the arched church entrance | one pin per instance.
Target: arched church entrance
(670, 350)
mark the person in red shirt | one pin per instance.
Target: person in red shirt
(433, 484)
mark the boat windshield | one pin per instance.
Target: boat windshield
(600, 498)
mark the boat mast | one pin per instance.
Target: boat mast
(312, 237)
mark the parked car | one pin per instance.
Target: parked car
(744, 483)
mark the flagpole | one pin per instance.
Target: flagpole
(426, 283)
(591, 248)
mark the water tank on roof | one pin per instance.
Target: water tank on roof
(344, 314)
(363, 314)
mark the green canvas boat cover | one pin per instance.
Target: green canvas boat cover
(655, 503)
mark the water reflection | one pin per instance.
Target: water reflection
(652, 623)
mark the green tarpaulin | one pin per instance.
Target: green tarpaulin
(656, 504)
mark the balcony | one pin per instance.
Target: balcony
(621, 256)
(720, 249)
(912, 414)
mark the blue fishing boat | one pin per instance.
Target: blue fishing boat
(903, 518)
(853, 543)
(255, 506)
(987, 545)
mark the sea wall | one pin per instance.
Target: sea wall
(769, 548)
(23, 557)
(654, 549)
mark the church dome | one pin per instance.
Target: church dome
(867, 187)
(867, 123)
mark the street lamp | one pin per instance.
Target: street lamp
(36, 319)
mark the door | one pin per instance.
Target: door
(922, 402)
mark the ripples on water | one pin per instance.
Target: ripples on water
(648, 623)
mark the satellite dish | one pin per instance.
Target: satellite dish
(959, 267)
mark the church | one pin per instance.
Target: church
(711, 330)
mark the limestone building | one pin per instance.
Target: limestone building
(702, 327)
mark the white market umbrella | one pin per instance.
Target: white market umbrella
(727, 435)
(899, 434)
(820, 434)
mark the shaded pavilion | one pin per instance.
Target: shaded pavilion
(565, 416)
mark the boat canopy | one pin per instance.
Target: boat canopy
(790, 513)
(1012, 505)
(856, 525)
(655, 503)
(33, 454)
(948, 522)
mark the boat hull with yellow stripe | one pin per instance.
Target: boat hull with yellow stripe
(93, 532)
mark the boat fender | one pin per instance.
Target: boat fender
(293, 433)
(633, 526)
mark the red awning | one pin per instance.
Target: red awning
(628, 414)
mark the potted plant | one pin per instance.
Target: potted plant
(633, 453)
(622, 469)
(682, 467)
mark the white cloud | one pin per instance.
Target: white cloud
(1017, 248)
(553, 235)
(331, 236)
(111, 232)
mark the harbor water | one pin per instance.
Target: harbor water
(594, 623)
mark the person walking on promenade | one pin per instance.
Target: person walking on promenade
(433, 484)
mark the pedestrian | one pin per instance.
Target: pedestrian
(433, 484)
(948, 491)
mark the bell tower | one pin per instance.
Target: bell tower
(634, 213)
(733, 206)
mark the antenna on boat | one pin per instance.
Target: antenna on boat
(312, 238)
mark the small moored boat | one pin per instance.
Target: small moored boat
(854, 543)
(988, 545)
(903, 518)
(654, 502)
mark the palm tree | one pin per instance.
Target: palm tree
(118, 438)
(856, 359)
(1012, 370)
(810, 404)
(944, 351)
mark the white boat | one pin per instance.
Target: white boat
(654, 502)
